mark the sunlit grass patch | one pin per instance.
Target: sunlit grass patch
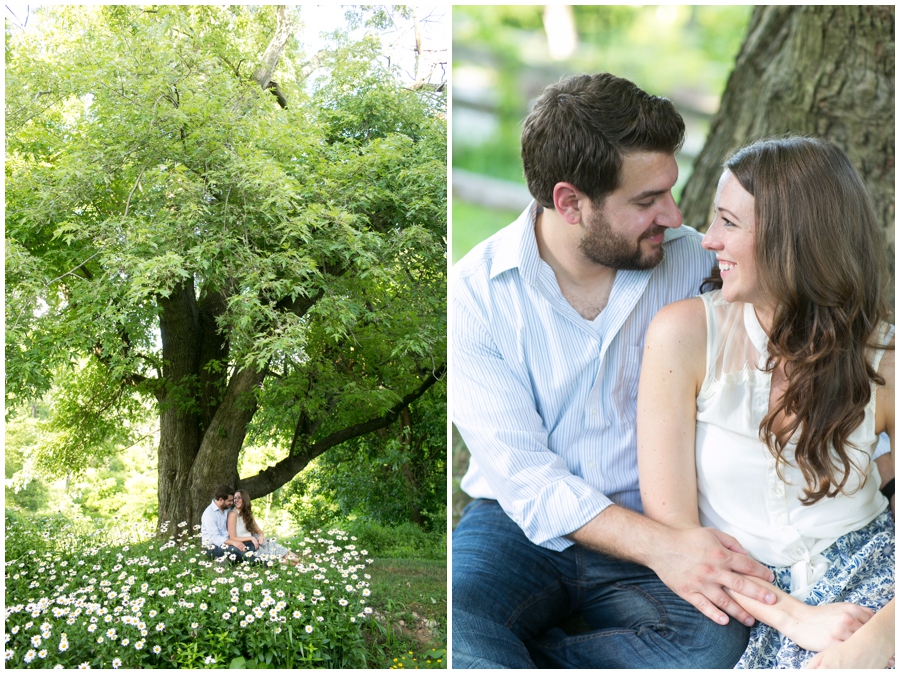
(434, 659)
(78, 596)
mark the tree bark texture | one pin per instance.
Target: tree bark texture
(819, 70)
(179, 428)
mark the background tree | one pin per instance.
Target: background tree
(259, 267)
(809, 69)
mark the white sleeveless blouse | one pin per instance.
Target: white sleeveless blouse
(240, 529)
(740, 492)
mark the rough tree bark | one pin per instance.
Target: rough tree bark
(823, 70)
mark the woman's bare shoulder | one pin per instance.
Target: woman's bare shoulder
(684, 321)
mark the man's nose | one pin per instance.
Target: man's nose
(669, 215)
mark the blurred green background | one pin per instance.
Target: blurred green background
(503, 56)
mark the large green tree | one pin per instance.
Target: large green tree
(204, 218)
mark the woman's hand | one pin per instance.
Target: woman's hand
(870, 647)
(845, 655)
(820, 628)
(261, 539)
(235, 543)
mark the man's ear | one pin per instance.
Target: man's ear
(567, 202)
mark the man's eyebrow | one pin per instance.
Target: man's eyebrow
(648, 193)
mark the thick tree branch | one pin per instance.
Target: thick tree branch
(300, 305)
(309, 67)
(273, 477)
(263, 74)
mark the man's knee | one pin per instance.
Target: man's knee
(713, 646)
(728, 647)
(480, 642)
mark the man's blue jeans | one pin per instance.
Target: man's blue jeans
(510, 595)
(217, 551)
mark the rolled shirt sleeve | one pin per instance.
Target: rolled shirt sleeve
(496, 414)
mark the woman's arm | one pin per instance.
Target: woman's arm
(813, 628)
(672, 372)
(871, 647)
(884, 417)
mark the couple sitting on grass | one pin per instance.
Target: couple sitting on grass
(228, 527)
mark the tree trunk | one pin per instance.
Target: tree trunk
(410, 474)
(217, 460)
(179, 428)
(822, 70)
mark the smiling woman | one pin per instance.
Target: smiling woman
(761, 404)
(732, 236)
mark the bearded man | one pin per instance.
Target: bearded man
(548, 324)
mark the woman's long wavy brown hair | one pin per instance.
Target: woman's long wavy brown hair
(246, 513)
(821, 257)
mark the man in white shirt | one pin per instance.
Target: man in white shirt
(214, 527)
(548, 323)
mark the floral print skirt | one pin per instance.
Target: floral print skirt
(861, 572)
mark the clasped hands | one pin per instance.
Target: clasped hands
(699, 563)
(709, 568)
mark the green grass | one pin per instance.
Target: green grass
(410, 601)
(399, 541)
(472, 224)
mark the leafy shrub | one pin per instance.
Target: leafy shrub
(400, 541)
(310, 512)
(75, 600)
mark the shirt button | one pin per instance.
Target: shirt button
(779, 489)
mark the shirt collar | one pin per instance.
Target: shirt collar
(755, 331)
(518, 246)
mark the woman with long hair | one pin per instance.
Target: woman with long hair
(761, 403)
(242, 526)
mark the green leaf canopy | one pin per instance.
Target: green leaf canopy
(171, 222)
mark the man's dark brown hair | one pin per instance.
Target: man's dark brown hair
(581, 127)
(222, 491)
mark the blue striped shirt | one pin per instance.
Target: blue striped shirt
(546, 400)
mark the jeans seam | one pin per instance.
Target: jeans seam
(664, 616)
(661, 625)
(511, 621)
